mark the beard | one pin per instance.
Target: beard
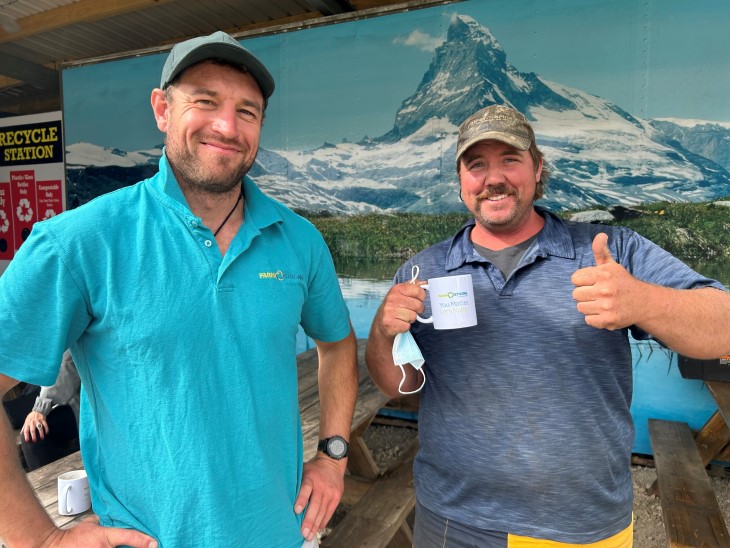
(217, 176)
(508, 219)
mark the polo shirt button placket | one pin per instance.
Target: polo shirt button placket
(495, 277)
(208, 243)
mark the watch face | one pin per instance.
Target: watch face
(336, 447)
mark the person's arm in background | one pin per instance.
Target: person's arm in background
(693, 322)
(25, 523)
(65, 390)
(395, 315)
(323, 478)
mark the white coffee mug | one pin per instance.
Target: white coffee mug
(73, 493)
(452, 302)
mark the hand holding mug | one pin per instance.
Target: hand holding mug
(452, 302)
(399, 308)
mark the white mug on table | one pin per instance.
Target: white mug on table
(452, 302)
(73, 493)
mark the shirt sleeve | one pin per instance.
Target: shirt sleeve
(42, 405)
(67, 383)
(43, 310)
(325, 316)
(650, 263)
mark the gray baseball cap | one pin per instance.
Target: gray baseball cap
(497, 122)
(218, 45)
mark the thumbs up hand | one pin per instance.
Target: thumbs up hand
(600, 250)
(606, 293)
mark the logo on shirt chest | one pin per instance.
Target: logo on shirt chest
(280, 275)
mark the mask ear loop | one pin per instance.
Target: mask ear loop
(414, 276)
(423, 373)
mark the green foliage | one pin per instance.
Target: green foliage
(389, 236)
(687, 230)
(699, 231)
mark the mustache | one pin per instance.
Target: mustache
(217, 139)
(495, 190)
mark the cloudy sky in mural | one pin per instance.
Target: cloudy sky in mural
(347, 81)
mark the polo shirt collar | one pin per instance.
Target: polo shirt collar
(165, 182)
(260, 210)
(554, 239)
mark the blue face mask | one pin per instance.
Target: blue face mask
(405, 350)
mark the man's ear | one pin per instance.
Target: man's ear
(160, 108)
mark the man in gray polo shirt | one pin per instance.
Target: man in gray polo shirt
(545, 376)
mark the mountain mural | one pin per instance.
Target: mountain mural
(598, 154)
(708, 139)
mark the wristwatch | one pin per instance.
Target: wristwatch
(334, 447)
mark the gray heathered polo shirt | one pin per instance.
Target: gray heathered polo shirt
(524, 420)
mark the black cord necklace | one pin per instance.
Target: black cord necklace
(240, 197)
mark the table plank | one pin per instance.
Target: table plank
(691, 513)
(720, 391)
(380, 515)
(712, 438)
(369, 401)
(43, 480)
(50, 472)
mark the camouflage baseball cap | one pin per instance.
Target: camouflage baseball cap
(497, 122)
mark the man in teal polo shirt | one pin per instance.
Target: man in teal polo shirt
(180, 298)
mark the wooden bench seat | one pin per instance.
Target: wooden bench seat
(691, 514)
(378, 520)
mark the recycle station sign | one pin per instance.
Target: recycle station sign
(32, 177)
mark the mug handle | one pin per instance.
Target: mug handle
(64, 496)
(421, 319)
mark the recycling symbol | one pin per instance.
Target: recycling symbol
(4, 223)
(24, 204)
(48, 214)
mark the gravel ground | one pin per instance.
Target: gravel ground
(648, 522)
(387, 442)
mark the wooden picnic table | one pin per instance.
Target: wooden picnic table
(713, 439)
(364, 474)
(369, 401)
(44, 483)
(691, 513)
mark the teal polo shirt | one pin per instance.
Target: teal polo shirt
(192, 431)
